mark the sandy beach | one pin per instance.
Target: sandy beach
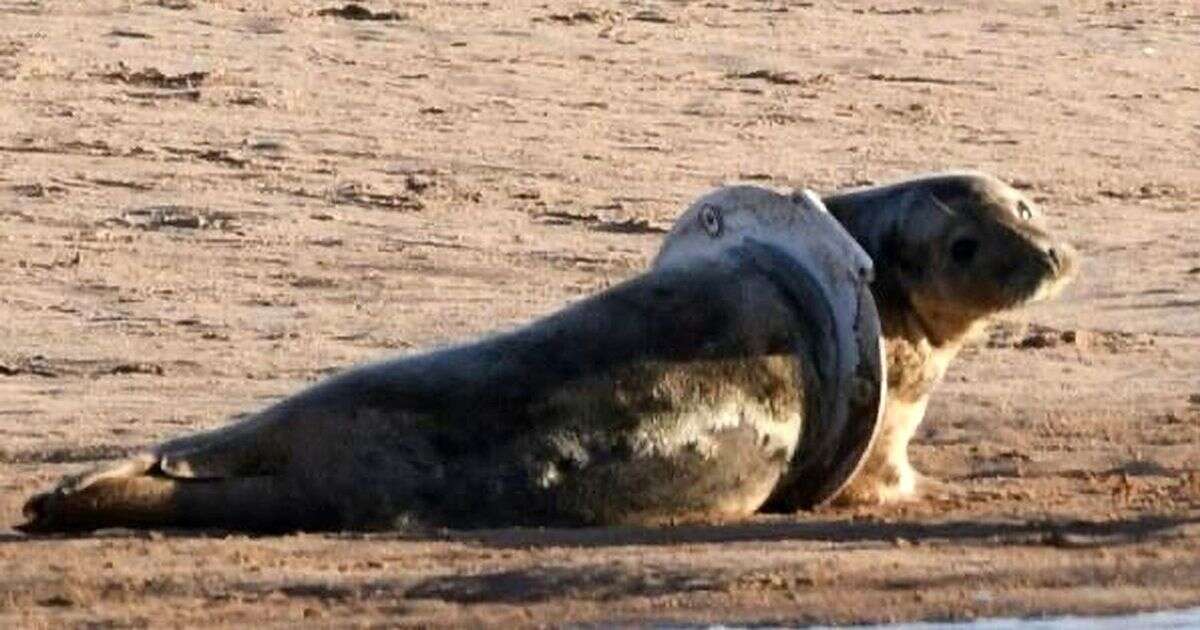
(207, 205)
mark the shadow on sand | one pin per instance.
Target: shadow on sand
(994, 532)
(602, 579)
(1062, 532)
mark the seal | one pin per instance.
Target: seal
(950, 250)
(729, 372)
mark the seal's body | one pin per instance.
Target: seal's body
(950, 250)
(684, 394)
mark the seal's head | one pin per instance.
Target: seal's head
(797, 223)
(959, 247)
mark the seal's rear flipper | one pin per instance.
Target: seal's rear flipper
(217, 478)
(242, 449)
(152, 500)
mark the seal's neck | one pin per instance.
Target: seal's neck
(874, 218)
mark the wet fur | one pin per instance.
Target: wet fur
(929, 302)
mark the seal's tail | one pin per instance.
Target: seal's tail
(127, 497)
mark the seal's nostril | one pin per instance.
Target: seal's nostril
(1052, 254)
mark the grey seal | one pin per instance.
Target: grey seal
(950, 250)
(744, 365)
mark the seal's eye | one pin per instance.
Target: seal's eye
(963, 251)
(1023, 211)
(710, 218)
